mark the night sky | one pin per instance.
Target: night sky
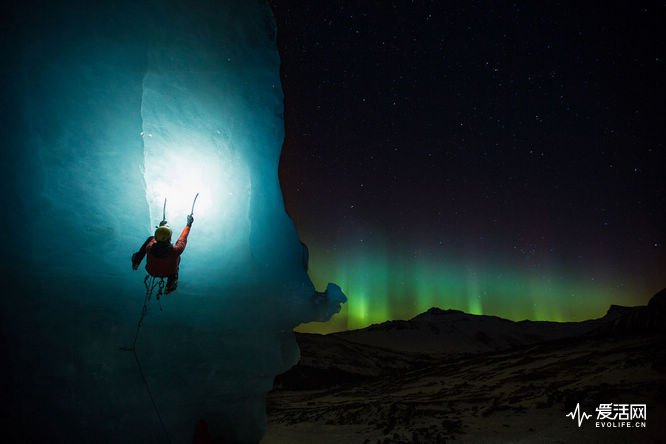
(495, 157)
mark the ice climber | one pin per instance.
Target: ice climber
(163, 256)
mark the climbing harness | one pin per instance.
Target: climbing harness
(151, 283)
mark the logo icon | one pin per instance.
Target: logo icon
(612, 415)
(578, 415)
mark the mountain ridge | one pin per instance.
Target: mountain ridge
(449, 375)
(451, 331)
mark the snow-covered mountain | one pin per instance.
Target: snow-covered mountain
(453, 331)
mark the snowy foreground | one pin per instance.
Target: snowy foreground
(345, 390)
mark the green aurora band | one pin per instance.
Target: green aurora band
(385, 287)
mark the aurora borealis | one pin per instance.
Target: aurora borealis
(497, 159)
(390, 287)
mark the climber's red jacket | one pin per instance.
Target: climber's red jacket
(163, 257)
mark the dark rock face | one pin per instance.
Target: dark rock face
(643, 320)
(658, 301)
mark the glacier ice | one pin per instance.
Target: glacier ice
(119, 105)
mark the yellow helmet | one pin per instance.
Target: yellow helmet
(163, 234)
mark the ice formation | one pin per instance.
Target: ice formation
(119, 105)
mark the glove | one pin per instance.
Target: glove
(190, 220)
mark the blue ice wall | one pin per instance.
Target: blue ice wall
(111, 108)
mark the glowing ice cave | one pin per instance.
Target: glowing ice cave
(119, 105)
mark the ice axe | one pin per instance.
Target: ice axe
(194, 203)
(164, 221)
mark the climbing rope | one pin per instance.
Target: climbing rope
(151, 282)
